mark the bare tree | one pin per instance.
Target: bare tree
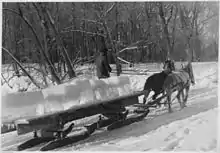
(19, 64)
(165, 23)
(20, 14)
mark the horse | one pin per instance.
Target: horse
(169, 64)
(155, 82)
(178, 81)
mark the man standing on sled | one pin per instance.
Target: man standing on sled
(102, 66)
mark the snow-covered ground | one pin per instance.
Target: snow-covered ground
(196, 133)
(192, 129)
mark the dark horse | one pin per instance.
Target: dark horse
(155, 82)
(178, 81)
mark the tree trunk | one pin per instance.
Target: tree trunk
(71, 72)
(165, 29)
(19, 64)
(113, 48)
(20, 14)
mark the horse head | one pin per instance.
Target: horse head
(188, 68)
(169, 65)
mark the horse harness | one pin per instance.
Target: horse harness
(182, 81)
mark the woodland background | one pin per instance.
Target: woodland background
(58, 36)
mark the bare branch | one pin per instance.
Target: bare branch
(77, 55)
(6, 81)
(19, 64)
(22, 40)
(208, 18)
(38, 42)
(130, 48)
(110, 9)
(38, 11)
(93, 21)
(124, 60)
(171, 14)
(90, 33)
(60, 42)
(161, 12)
(88, 20)
(174, 29)
(27, 22)
(139, 15)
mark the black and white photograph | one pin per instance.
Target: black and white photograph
(109, 76)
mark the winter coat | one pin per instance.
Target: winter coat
(102, 67)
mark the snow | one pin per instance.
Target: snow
(192, 129)
(180, 135)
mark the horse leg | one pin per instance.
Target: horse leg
(154, 97)
(186, 96)
(146, 93)
(181, 92)
(165, 101)
(169, 101)
(178, 97)
(182, 95)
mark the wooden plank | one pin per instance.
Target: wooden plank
(74, 113)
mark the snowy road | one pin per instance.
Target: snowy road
(192, 129)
